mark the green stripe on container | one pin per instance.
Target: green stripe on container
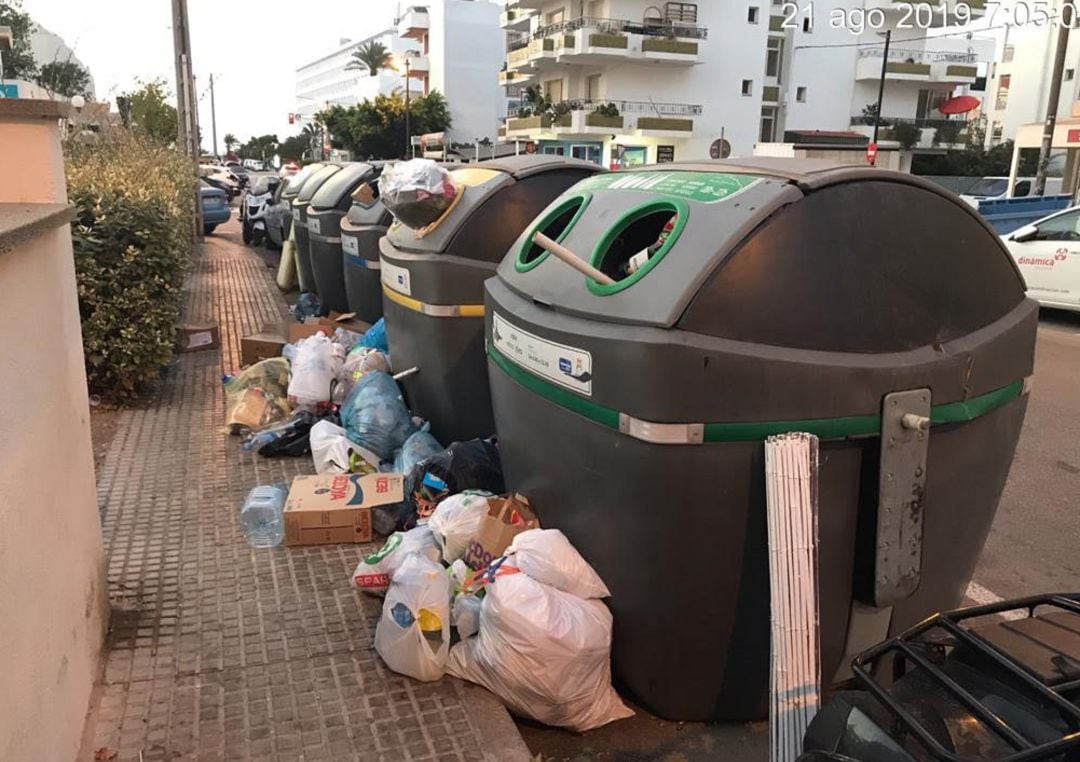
(823, 428)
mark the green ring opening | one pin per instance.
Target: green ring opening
(581, 200)
(672, 205)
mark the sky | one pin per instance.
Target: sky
(253, 56)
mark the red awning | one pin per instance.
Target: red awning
(961, 104)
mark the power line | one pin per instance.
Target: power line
(909, 39)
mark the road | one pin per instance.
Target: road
(1034, 545)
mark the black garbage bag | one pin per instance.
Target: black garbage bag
(308, 305)
(289, 437)
(472, 464)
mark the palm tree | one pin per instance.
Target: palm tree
(371, 57)
(230, 141)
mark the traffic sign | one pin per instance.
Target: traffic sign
(871, 153)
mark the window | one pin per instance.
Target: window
(1008, 53)
(995, 133)
(927, 103)
(774, 58)
(556, 17)
(768, 124)
(553, 89)
(1003, 91)
(748, 87)
(592, 87)
(1065, 227)
(1069, 74)
(752, 14)
(1022, 188)
(807, 27)
(587, 152)
(800, 94)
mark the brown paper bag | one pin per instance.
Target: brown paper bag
(507, 517)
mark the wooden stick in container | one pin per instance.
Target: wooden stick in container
(571, 259)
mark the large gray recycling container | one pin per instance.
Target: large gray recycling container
(279, 218)
(324, 215)
(789, 296)
(300, 205)
(361, 230)
(433, 286)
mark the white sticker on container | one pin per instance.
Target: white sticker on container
(566, 366)
(296, 214)
(350, 245)
(396, 277)
(313, 225)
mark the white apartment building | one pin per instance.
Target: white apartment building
(684, 75)
(327, 82)
(1019, 85)
(453, 46)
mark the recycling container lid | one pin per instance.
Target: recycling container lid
(481, 184)
(313, 183)
(335, 191)
(802, 254)
(294, 183)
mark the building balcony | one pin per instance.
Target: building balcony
(918, 66)
(941, 132)
(591, 40)
(581, 118)
(419, 66)
(516, 18)
(414, 23)
(510, 77)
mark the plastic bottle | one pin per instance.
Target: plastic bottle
(261, 515)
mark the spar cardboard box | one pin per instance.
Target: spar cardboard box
(336, 508)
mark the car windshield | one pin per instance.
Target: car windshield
(262, 185)
(989, 186)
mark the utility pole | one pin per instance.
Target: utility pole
(187, 122)
(1064, 27)
(213, 118)
(881, 84)
(408, 126)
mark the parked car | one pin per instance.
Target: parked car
(988, 188)
(221, 178)
(240, 172)
(215, 206)
(1047, 252)
(254, 165)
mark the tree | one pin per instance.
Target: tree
(230, 142)
(295, 147)
(376, 129)
(371, 57)
(261, 147)
(19, 61)
(976, 161)
(65, 78)
(149, 112)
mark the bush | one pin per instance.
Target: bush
(132, 240)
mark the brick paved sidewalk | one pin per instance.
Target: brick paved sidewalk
(220, 652)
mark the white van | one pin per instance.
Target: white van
(1047, 253)
(991, 188)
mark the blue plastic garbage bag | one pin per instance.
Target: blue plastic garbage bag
(417, 447)
(308, 305)
(375, 416)
(376, 336)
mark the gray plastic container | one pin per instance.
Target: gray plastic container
(279, 216)
(299, 217)
(361, 230)
(789, 296)
(433, 286)
(328, 207)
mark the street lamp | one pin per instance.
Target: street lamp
(404, 58)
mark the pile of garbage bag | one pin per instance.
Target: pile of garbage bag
(417, 192)
(530, 626)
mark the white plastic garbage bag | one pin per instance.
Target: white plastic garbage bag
(335, 453)
(375, 573)
(545, 653)
(547, 556)
(413, 634)
(317, 363)
(465, 613)
(456, 520)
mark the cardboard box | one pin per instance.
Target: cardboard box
(347, 320)
(193, 338)
(507, 517)
(265, 344)
(298, 331)
(336, 508)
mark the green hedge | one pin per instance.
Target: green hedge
(132, 241)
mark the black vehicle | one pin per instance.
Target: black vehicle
(963, 685)
(221, 185)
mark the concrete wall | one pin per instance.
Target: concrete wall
(466, 51)
(52, 583)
